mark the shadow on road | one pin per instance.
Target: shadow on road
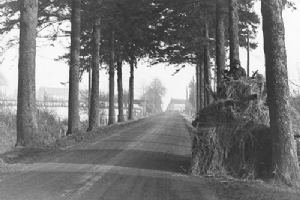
(130, 158)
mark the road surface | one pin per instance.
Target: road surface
(148, 160)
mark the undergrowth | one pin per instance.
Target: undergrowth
(233, 132)
(7, 130)
(50, 129)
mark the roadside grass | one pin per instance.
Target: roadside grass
(86, 136)
(7, 130)
(52, 141)
(50, 130)
(228, 188)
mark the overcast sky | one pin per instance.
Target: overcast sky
(50, 73)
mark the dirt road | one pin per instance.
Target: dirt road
(147, 160)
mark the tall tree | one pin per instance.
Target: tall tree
(120, 90)
(132, 64)
(94, 117)
(26, 108)
(233, 30)
(207, 68)
(248, 24)
(73, 113)
(220, 40)
(248, 54)
(197, 88)
(284, 156)
(201, 79)
(111, 111)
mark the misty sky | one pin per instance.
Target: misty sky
(50, 73)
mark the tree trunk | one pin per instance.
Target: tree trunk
(195, 94)
(131, 89)
(201, 81)
(94, 117)
(234, 30)
(284, 156)
(111, 111)
(73, 114)
(207, 75)
(27, 127)
(248, 53)
(120, 91)
(197, 101)
(90, 73)
(220, 41)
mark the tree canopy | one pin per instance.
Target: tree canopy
(164, 30)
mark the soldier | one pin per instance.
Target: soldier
(236, 71)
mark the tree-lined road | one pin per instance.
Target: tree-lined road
(171, 32)
(146, 160)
